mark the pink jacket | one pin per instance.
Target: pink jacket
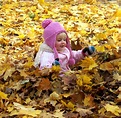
(45, 58)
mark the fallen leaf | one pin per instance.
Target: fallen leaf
(119, 97)
(88, 63)
(59, 114)
(113, 109)
(9, 73)
(83, 79)
(69, 105)
(84, 112)
(45, 84)
(106, 66)
(53, 98)
(3, 95)
(89, 101)
(116, 76)
(24, 110)
(77, 98)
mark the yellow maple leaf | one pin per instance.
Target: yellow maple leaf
(102, 111)
(3, 95)
(69, 105)
(88, 63)
(83, 79)
(113, 109)
(86, 79)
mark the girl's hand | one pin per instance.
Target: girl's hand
(56, 62)
(88, 50)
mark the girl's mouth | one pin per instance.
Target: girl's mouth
(62, 46)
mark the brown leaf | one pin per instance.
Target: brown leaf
(66, 81)
(45, 84)
(69, 78)
(77, 97)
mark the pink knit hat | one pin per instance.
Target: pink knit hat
(51, 30)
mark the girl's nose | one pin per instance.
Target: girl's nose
(63, 42)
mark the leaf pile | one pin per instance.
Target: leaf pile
(92, 89)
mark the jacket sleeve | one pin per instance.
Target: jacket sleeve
(77, 55)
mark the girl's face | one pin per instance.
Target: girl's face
(60, 43)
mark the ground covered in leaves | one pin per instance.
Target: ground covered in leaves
(91, 90)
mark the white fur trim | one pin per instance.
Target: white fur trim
(43, 47)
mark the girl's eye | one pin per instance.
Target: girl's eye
(59, 39)
(62, 40)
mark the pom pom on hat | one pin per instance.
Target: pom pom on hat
(71, 61)
(46, 22)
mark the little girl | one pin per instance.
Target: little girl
(56, 49)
